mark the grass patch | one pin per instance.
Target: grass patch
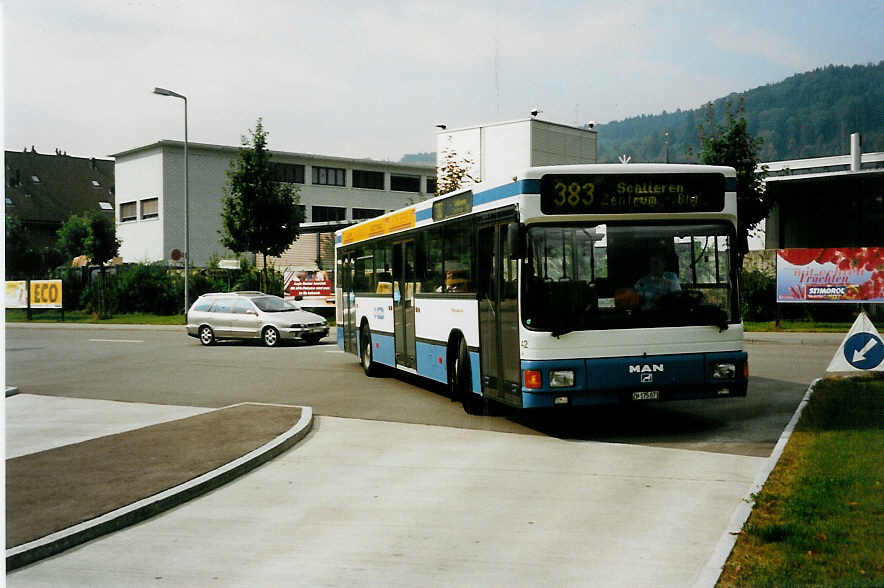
(819, 520)
(82, 316)
(795, 326)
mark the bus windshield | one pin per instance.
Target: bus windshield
(620, 275)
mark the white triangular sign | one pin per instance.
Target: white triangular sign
(862, 349)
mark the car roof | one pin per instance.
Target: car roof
(244, 293)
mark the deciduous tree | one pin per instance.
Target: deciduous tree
(454, 171)
(259, 214)
(91, 234)
(731, 144)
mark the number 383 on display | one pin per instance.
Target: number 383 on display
(574, 193)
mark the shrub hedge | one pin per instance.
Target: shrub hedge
(156, 288)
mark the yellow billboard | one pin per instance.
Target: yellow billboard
(46, 294)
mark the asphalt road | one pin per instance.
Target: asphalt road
(164, 366)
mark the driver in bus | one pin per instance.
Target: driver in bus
(656, 282)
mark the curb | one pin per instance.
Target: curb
(711, 572)
(821, 339)
(113, 326)
(141, 510)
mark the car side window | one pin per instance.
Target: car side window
(241, 306)
(203, 305)
(223, 305)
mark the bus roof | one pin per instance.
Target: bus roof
(484, 193)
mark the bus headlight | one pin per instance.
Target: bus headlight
(724, 371)
(561, 378)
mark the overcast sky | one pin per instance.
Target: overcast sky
(371, 79)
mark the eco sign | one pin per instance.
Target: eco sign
(45, 294)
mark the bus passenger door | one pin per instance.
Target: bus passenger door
(403, 302)
(498, 316)
(348, 304)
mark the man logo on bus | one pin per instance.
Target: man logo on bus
(642, 368)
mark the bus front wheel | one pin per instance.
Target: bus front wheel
(462, 381)
(368, 365)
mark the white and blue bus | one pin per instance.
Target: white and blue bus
(570, 285)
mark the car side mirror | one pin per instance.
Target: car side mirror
(252, 312)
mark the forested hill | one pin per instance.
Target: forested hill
(807, 115)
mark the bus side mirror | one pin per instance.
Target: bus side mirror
(515, 239)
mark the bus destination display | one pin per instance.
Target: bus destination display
(453, 206)
(631, 193)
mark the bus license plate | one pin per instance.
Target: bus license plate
(646, 395)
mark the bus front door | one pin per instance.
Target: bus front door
(403, 302)
(498, 316)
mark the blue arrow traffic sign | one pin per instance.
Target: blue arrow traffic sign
(864, 351)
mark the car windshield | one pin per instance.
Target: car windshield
(273, 304)
(616, 276)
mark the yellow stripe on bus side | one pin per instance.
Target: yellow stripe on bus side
(401, 220)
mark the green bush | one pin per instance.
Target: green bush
(758, 298)
(156, 288)
(145, 288)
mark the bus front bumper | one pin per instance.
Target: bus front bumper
(633, 379)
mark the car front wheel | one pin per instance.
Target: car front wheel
(207, 336)
(271, 337)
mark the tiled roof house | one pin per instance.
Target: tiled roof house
(45, 190)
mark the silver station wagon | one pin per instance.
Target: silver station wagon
(252, 315)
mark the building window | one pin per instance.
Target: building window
(290, 173)
(431, 185)
(105, 206)
(405, 183)
(368, 179)
(323, 214)
(128, 211)
(361, 213)
(328, 176)
(150, 208)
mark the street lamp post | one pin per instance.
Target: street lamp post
(164, 92)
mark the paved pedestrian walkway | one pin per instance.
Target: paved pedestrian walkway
(65, 493)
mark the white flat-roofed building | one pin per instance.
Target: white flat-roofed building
(499, 149)
(149, 207)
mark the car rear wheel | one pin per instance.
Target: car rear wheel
(207, 336)
(270, 337)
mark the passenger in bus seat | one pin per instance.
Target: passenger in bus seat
(656, 282)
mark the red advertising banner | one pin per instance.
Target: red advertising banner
(848, 274)
(307, 283)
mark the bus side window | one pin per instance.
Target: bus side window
(432, 279)
(458, 252)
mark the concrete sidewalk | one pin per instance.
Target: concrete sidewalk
(374, 503)
(78, 469)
